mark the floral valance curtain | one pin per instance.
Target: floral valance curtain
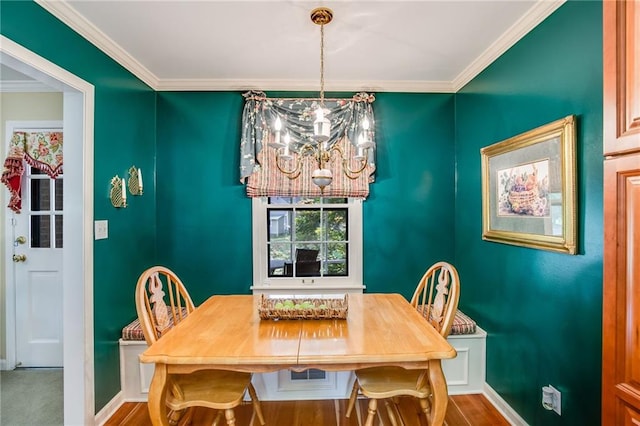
(42, 150)
(258, 155)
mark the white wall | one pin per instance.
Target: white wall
(19, 107)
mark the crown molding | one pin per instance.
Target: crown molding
(304, 85)
(538, 13)
(69, 16)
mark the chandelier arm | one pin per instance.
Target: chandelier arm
(291, 174)
(353, 174)
(348, 171)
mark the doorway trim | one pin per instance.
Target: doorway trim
(77, 262)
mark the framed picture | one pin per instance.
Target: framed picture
(529, 188)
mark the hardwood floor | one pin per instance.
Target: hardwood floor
(463, 410)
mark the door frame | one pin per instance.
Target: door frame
(77, 298)
(10, 344)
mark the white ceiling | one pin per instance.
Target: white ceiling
(403, 46)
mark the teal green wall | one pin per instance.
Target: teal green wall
(542, 310)
(124, 135)
(205, 217)
(408, 220)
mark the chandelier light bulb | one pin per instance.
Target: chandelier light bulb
(365, 124)
(277, 127)
(286, 155)
(321, 127)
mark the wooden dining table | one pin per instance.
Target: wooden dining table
(226, 332)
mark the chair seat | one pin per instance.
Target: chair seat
(388, 382)
(215, 389)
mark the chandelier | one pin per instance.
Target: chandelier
(317, 146)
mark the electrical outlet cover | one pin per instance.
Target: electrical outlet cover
(557, 400)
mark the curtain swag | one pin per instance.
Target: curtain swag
(41, 150)
(257, 155)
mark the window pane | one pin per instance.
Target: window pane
(308, 261)
(279, 200)
(335, 225)
(307, 225)
(40, 194)
(279, 225)
(34, 171)
(41, 231)
(279, 254)
(58, 191)
(306, 200)
(58, 223)
(336, 259)
(335, 201)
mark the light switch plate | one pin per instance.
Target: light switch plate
(101, 229)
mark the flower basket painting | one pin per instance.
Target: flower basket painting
(524, 190)
(528, 188)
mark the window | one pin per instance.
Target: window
(307, 241)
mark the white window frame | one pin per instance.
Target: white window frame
(262, 283)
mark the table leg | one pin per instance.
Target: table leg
(157, 397)
(440, 393)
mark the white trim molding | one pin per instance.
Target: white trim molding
(538, 13)
(503, 408)
(67, 14)
(77, 262)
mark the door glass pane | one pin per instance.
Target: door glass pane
(58, 191)
(58, 224)
(41, 231)
(40, 195)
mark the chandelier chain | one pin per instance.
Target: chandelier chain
(322, 65)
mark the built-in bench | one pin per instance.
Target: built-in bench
(465, 373)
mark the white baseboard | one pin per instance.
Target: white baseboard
(501, 405)
(3, 364)
(109, 409)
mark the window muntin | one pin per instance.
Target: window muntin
(309, 238)
(336, 234)
(45, 209)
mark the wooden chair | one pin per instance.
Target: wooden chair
(436, 298)
(162, 301)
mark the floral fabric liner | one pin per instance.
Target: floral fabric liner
(462, 324)
(133, 330)
(41, 150)
(257, 154)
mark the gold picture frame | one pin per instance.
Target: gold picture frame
(529, 188)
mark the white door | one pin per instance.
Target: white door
(37, 261)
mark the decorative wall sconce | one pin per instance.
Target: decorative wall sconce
(118, 193)
(135, 181)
